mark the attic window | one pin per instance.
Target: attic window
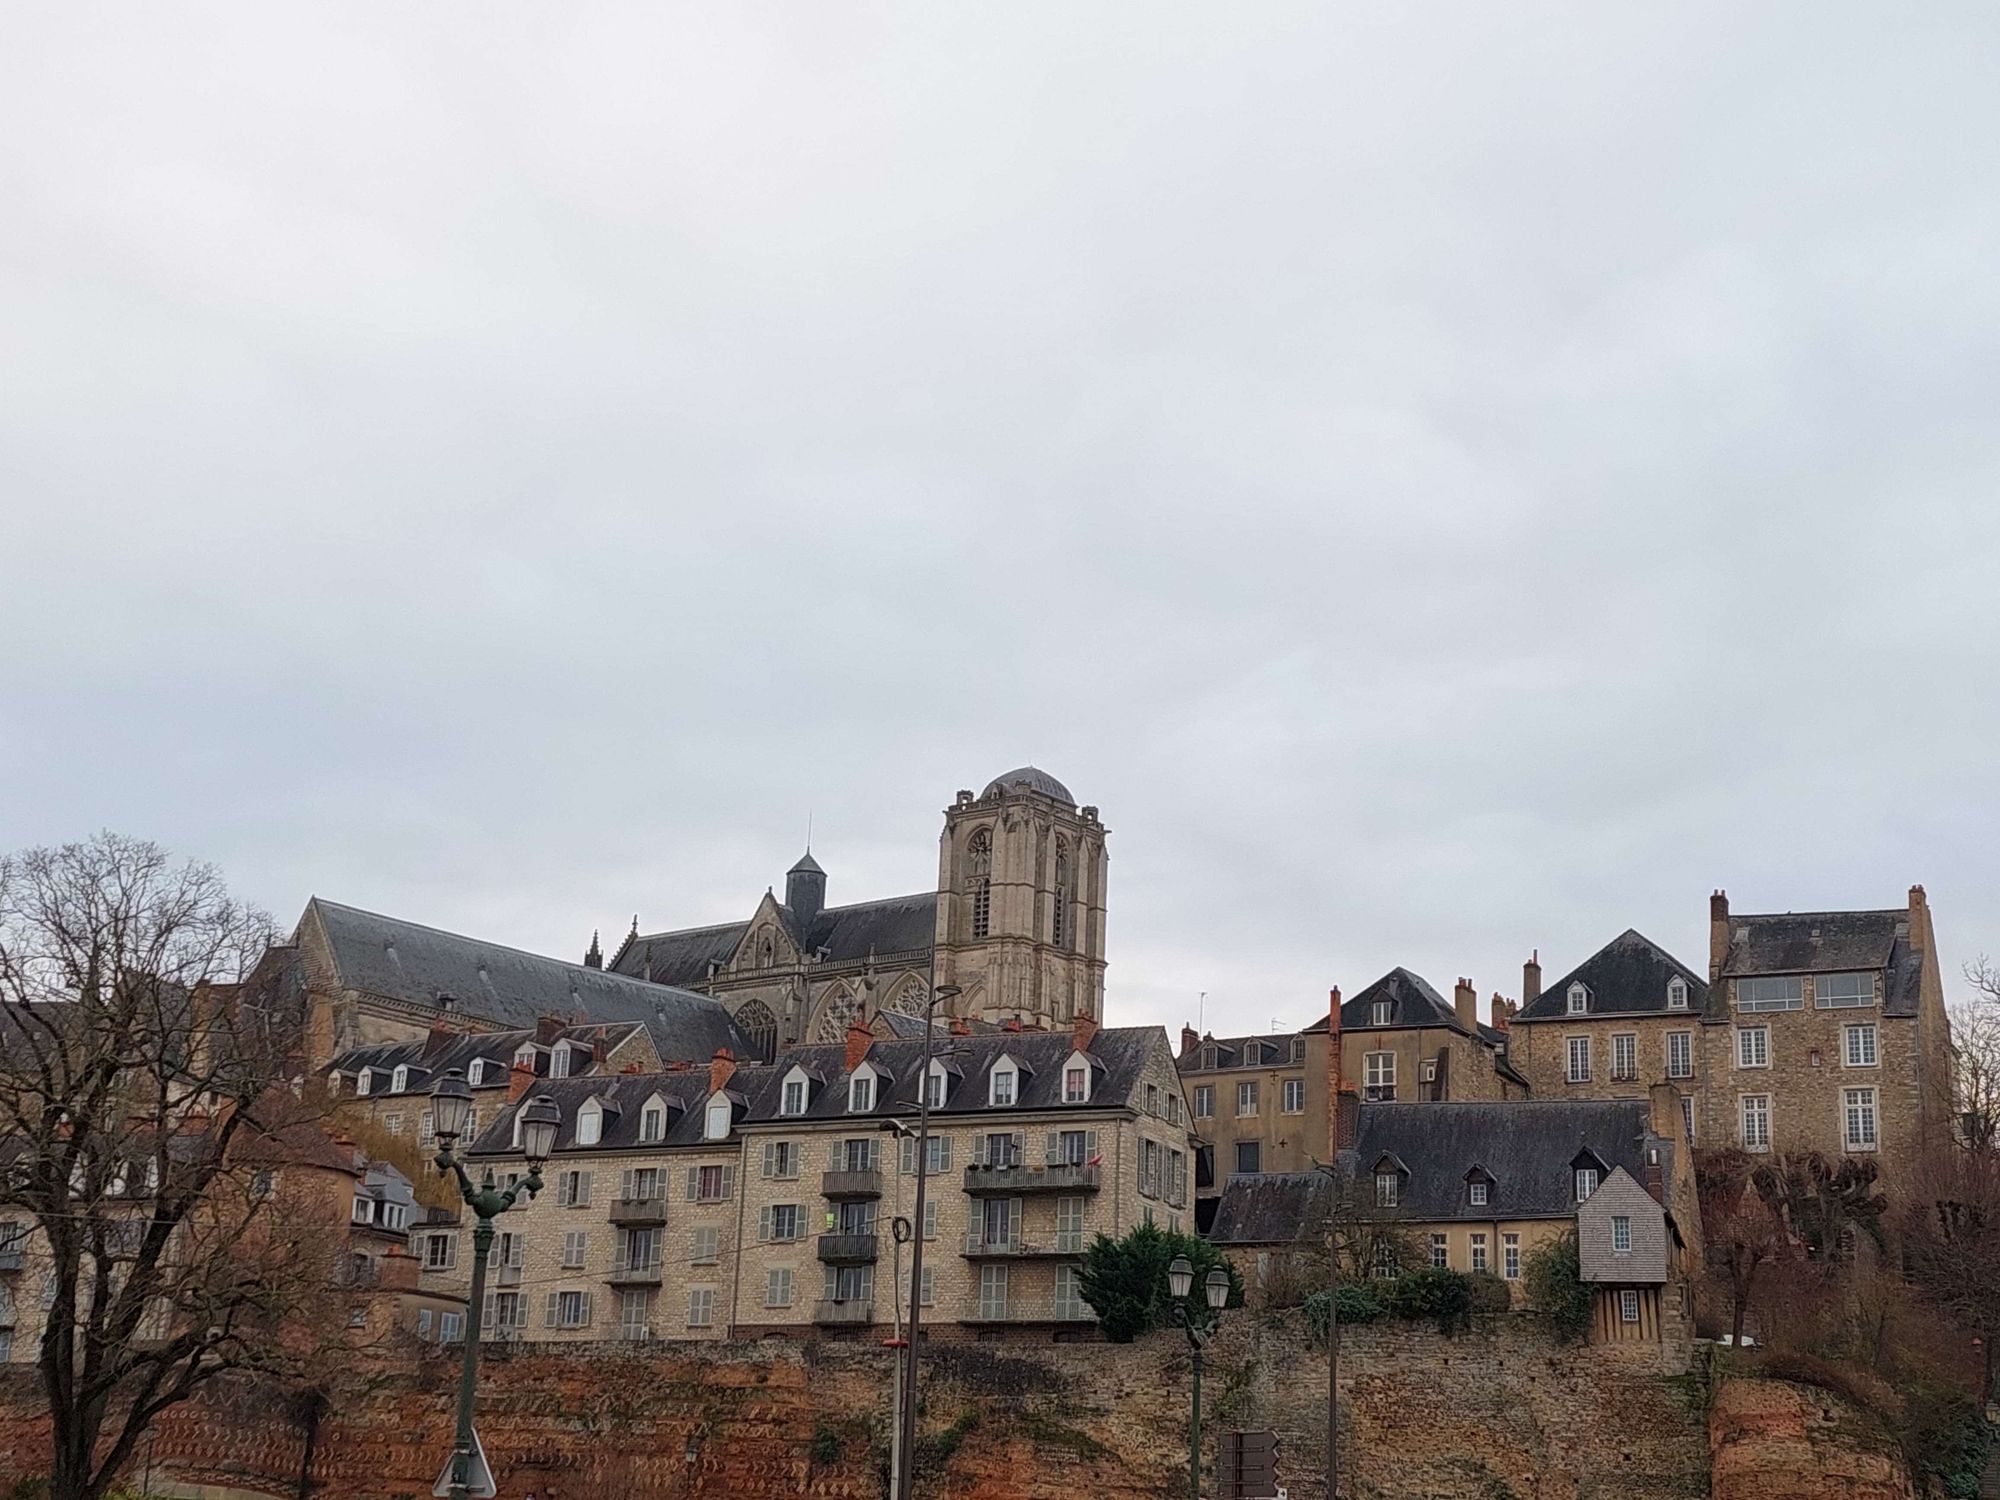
(1003, 1084)
(1677, 993)
(795, 1097)
(1298, 1049)
(1579, 999)
(476, 1074)
(1208, 1059)
(861, 1093)
(1476, 1193)
(653, 1122)
(363, 1081)
(559, 1061)
(525, 1056)
(400, 1079)
(1586, 1182)
(1384, 1010)
(936, 1086)
(716, 1126)
(1388, 1189)
(590, 1124)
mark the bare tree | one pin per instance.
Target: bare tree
(1975, 1035)
(1741, 1234)
(133, 1064)
(1951, 1241)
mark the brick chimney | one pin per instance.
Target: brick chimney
(1531, 978)
(1920, 920)
(1465, 1003)
(1012, 1023)
(520, 1078)
(548, 1028)
(441, 1035)
(859, 1039)
(1500, 1010)
(959, 1026)
(1333, 1081)
(1083, 1032)
(1718, 934)
(1190, 1039)
(396, 1271)
(721, 1069)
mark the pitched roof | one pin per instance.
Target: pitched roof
(1278, 1208)
(892, 925)
(405, 961)
(1230, 1050)
(1826, 942)
(1528, 1147)
(496, 1047)
(1411, 999)
(1118, 1054)
(1627, 976)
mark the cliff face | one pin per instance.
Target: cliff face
(1773, 1441)
(1494, 1414)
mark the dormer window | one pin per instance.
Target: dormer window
(1003, 1084)
(796, 1094)
(1388, 1189)
(1579, 999)
(1076, 1080)
(1298, 1049)
(524, 1056)
(861, 1092)
(400, 1079)
(1586, 1182)
(936, 1086)
(476, 1074)
(1382, 1012)
(1253, 1054)
(1677, 993)
(364, 1081)
(590, 1123)
(1208, 1059)
(559, 1061)
(715, 1125)
(653, 1120)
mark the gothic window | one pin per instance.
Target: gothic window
(769, 952)
(835, 1012)
(760, 1029)
(1061, 923)
(979, 866)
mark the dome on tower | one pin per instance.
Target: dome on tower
(1037, 780)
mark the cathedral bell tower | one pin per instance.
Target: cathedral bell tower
(1020, 912)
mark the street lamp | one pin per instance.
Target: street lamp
(906, 1419)
(1199, 1328)
(451, 1107)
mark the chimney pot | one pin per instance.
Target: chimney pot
(1083, 1032)
(1531, 978)
(1465, 1004)
(520, 1078)
(859, 1039)
(720, 1069)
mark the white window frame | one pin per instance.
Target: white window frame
(1383, 1013)
(399, 1080)
(1378, 1070)
(1388, 1189)
(475, 1074)
(1577, 1001)
(1247, 1092)
(1822, 1000)
(1510, 1255)
(1681, 1042)
(1621, 1234)
(1627, 1043)
(590, 1123)
(653, 1121)
(1628, 1305)
(1076, 1060)
(1476, 1193)
(1755, 1107)
(1440, 1251)
(559, 1060)
(1768, 993)
(1204, 1101)
(717, 1119)
(937, 1086)
(1294, 1100)
(1003, 1084)
(1588, 1180)
(795, 1095)
(1861, 1107)
(1476, 1251)
(1575, 1049)
(861, 1091)
(1858, 1056)
(363, 1081)
(1677, 993)
(1753, 1047)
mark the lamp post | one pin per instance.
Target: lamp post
(906, 1419)
(1215, 1290)
(451, 1106)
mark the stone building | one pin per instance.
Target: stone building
(1826, 1031)
(759, 1199)
(1627, 1018)
(1016, 922)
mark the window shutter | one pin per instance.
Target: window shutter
(694, 1182)
(583, 1188)
(831, 1282)
(944, 1153)
(486, 1311)
(586, 1310)
(1013, 1219)
(770, 1158)
(1089, 1144)
(836, 1154)
(1052, 1153)
(451, 1252)
(625, 1185)
(551, 1309)
(1019, 1150)
(908, 1153)
(728, 1183)
(764, 1225)
(874, 1154)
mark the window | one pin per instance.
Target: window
(589, 1125)
(639, 1249)
(707, 1245)
(1073, 1148)
(993, 1291)
(1208, 1059)
(1382, 1013)
(934, 1087)
(1246, 1098)
(567, 1310)
(1477, 1240)
(635, 1313)
(999, 1149)
(451, 1327)
(1756, 1122)
(573, 1189)
(1249, 1157)
(1677, 993)
(937, 1158)
(393, 1124)
(1680, 1054)
(363, 1081)
(1388, 1189)
(927, 1289)
(1000, 1085)
(720, 1118)
(653, 1123)
(1860, 1119)
(1152, 1100)
(440, 1252)
(1579, 1059)
(1770, 992)
(1510, 1256)
(1204, 1101)
(779, 1223)
(1298, 1049)
(1859, 1049)
(861, 1093)
(1578, 999)
(1173, 1108)
(701, 1307)
(1621, 1234)
(795, 1097)
(1069, 1304)
(1628, 1306)
(1069, 1224)
(1843, 991)
(1295, 1096)
(399, 1080)
(559, 1061)
(476, 1074)
(979, 863)
(1586, 1182)
(781, 1159)
(427, 1129)
(1383, 1264)
(1378, 1075)
(575, 1243)
(711, 1184)
(1478, 1194)
(1687, 1116)
(778, 1287)
(1753, 1046)
(423, 1323)
(1625, 1055)
(1440, 1252)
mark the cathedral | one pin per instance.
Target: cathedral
(1016, 922)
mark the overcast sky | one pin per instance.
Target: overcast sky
(1444, 480)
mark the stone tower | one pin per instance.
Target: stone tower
(1020, 912)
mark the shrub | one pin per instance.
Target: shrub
(1489, 1293)
(1357, 1303)
(1444, 1297)
(1125, 1280)
(1554, 1279)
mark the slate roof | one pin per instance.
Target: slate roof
(495, 1047)
(895, 924)
(1827, 942)
(1229, 1051)
(1527, 1147)
(1037, 780)
(1278, 1208)
(1118, 1054)
(405, 961)
(1627, 976)
(1413, 1003)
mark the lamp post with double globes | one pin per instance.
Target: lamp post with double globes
(451, 1107)
(1198, 1328)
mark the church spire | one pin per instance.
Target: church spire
(593, 956)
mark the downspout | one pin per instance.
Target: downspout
(742, 1198)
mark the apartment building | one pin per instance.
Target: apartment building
(743, 1201)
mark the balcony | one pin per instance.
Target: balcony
(1379, 1093)
(846, 1249)
(635, 1273)
(1057, 1177)
(978, 1247)
(640, 1211)
(837, 1314)
(851, 1184)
